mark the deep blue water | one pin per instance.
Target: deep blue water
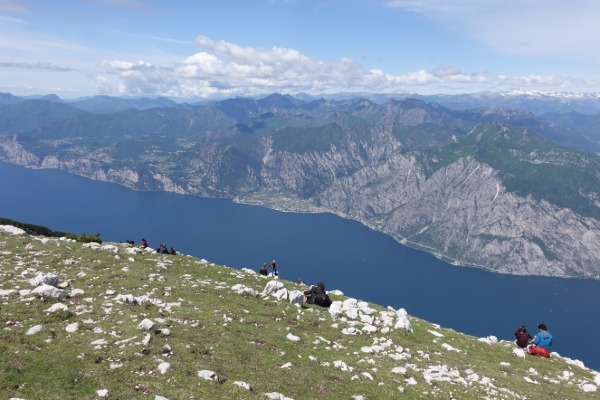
(344, 254)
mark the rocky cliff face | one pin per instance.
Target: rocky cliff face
(463, 213)
(493, 198)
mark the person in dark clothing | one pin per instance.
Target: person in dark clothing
(316, 295)
(522, 337)
(263, 270)
(162, 249)
(173, 251)
(273, 268)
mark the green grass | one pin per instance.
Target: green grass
(239, 337)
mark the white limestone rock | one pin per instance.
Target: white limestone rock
(33, 330)
(276, 396)
(72, 328)
(110, 247)
(243, 289)
(588, 387)
(489, 340)
(272, 287)
(45, 279)
(57, 307)
(519, 352)
(242, 385)
(292, 337)
(402, 321)
(296, 297)
(450, 348)
(76, 293)
(208, 375)
(49, 291)
(147, 325)
(164, 367)
(13, 230)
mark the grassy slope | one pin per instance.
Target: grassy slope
(240, 337)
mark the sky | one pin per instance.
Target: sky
(207, 49)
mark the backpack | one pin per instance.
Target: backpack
(538, 351)
(323, 300)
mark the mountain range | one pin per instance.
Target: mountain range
(478, 183)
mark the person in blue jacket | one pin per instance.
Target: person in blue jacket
(543, 338)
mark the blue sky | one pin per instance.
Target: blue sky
(225, 48)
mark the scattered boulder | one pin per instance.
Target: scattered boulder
(72, 328)
(8, 292)
(276, 289)
(45, 279)
(588, 387)
(148, 325)
(296, 297)
(57, 307)
(33, 330)
(292, 337)
(489, 340)
(13, 230)
(49, 291)
(208, 375)
(164, 367)
(519, 352)
(242, 385)
(356, 310)
(243, 289)
(76, 293)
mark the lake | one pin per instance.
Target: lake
(317, 247)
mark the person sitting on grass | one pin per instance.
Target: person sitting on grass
(522, 337)
(316, 295)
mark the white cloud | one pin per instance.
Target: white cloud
(227, 69)
(34, 65)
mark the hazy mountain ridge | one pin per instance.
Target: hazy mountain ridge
(477, 187)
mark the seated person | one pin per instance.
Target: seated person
(543, 338)
(316, 295)
(522, 337)
(263, 270)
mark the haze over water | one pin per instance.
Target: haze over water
(317, 247)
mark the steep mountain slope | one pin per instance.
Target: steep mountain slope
(91, 321)
(478, 188)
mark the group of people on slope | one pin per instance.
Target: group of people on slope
(161, 249)
(535, 345)
(265, 271)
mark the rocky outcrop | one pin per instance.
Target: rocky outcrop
(464, 214)
(13, 152)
